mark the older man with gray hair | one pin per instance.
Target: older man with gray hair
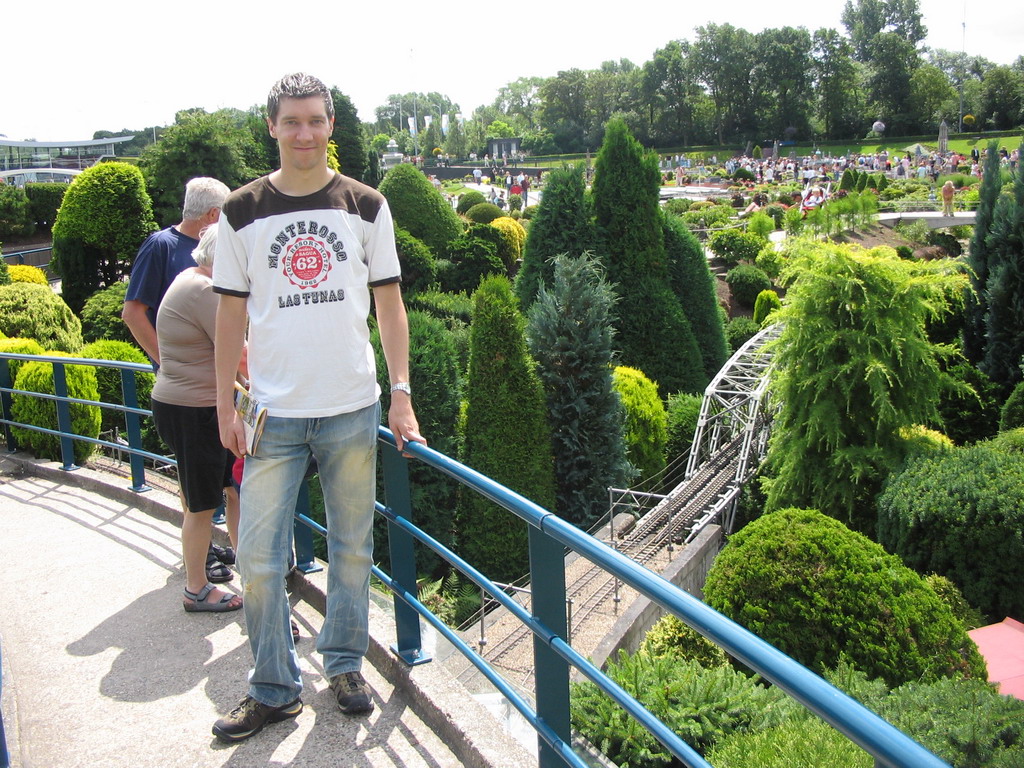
(164, 255)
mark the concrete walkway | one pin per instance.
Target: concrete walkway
(102, 667)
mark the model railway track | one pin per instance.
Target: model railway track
(663, 527)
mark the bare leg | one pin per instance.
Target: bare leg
(231, 510)
(195, 544)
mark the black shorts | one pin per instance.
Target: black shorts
(204, 464)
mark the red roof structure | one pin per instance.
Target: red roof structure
(1002, 645)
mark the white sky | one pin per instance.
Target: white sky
(116, 64)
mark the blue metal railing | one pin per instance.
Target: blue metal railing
(549, 536)
(18, 257)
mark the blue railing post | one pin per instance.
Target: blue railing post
(409, 646)
(134, 430)
(5, 405)
(60, 389)
(551, 671)
(305, 556)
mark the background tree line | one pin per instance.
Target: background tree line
(725, 86)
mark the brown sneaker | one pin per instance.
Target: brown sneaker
(352, 692)
(249, 717)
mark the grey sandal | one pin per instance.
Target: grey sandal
(197, 602)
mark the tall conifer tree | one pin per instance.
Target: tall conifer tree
(978, 258)
(348, 135)
(561, 225)
(570, 336)
(507, 433)
(693, 284)
(1004, 323)
(653, 332)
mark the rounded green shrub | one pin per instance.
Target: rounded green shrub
(646, 421)
(23, 273)
(734, 246)
(85, 419)
(746, 282)
(513, 239)
(484, 213)
(677, 205)
(18, 346)
(701, 705)
(766, 303)
(468, 199)
(472, 256)
(706, 217)
(109, 379)
(32, 311)
(101, 315)
(777, 212)
(917, 440)
(960, 514)
(419, 268)
(419, 208)
(515, 203)
(818, 591)
(969, 411)
(739, 330)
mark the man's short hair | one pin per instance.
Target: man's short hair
(206, 250)
(202, 194)
(298, 86)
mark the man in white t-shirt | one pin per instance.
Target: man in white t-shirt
(298, 253)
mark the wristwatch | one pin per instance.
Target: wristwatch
(401, 386)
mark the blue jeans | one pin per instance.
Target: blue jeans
(345, 448)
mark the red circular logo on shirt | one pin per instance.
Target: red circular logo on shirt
(306, 262)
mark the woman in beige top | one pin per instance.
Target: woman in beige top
(184, 409)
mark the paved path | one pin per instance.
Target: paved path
(102, 667)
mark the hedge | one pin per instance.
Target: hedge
(960, 514)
